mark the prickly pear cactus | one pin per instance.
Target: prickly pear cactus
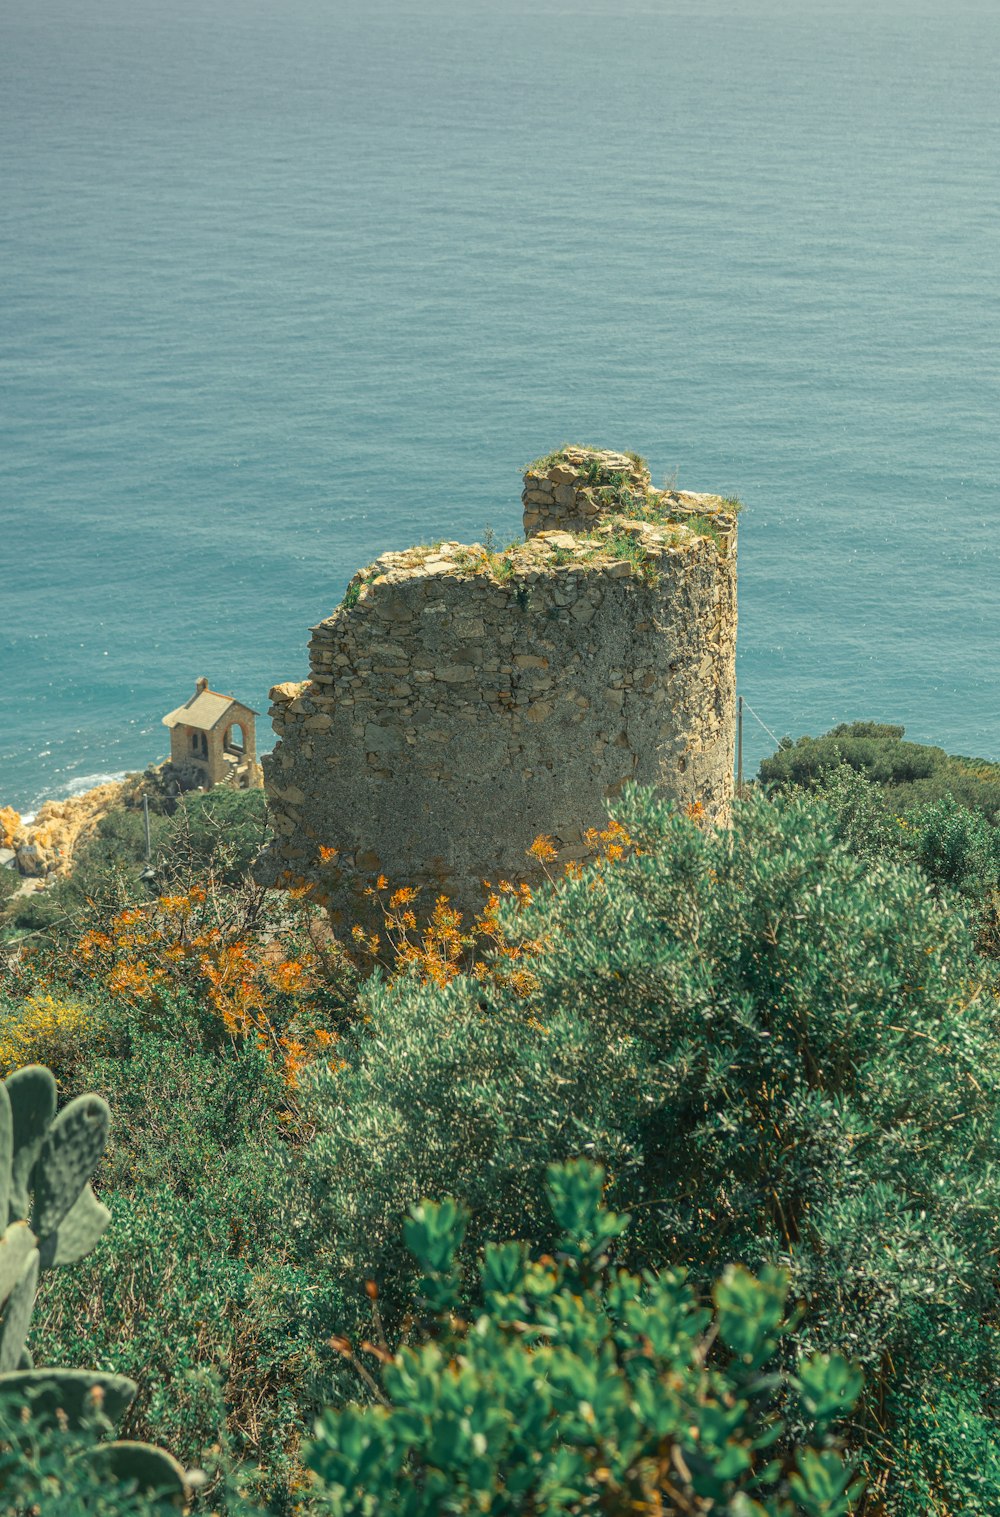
(76, 1396)
(51, 1217)
(150, 1469)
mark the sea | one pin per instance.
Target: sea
(287, 283)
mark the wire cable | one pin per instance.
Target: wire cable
(747, 707)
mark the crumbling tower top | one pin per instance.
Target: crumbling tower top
(569, 489)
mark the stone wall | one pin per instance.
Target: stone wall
(570, 489)
(463, 701)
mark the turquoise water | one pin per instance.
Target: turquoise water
(286, 285)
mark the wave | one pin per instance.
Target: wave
(68, 789)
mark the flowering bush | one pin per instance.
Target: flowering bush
(231, 969)
(437, 948)
(47, 1029)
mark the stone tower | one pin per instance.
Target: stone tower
(462, 701)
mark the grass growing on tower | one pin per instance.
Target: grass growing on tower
(628, 549)
(560, 456)
(360, 580)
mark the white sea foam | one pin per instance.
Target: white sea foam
(70, 788)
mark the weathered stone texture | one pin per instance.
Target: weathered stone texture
(462, 702)
(570, 491)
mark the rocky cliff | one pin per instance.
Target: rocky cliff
(45, 845)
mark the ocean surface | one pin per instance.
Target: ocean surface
(286, 283)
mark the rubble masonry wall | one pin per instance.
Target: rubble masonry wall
(461, 702)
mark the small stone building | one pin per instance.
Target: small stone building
(214, 736)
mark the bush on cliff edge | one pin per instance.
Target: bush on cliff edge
(782, 1055)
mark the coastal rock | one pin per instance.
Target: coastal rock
(45, 845)
(32, 860)
(10, 826)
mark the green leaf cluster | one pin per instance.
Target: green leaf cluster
(583, 1387)
(915, 773)
(783, 1054)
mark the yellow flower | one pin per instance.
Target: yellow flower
(46, 1031)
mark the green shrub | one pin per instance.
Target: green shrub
(915, 773)
(217, 834)
(954, 846)
(580, 1387)
(782, 1054)
(199, 1294)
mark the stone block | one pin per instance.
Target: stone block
(381, 739)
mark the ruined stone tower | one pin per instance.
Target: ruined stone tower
(462, 701)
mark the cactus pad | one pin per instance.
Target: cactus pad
(17, 1316)
(32, 1095)
(6, 1152)
(77, 1233)
(153, 1471)
(16, 1246)
(76, 1395)
(69, 1155)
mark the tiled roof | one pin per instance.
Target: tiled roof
(205, 710)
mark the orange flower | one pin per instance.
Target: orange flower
(289, 976)
(543, 849)
(175, 905)
(93, 943)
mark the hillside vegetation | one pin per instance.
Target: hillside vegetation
(736, 1096)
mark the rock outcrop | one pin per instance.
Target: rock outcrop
(463, 700)
(45, 845)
